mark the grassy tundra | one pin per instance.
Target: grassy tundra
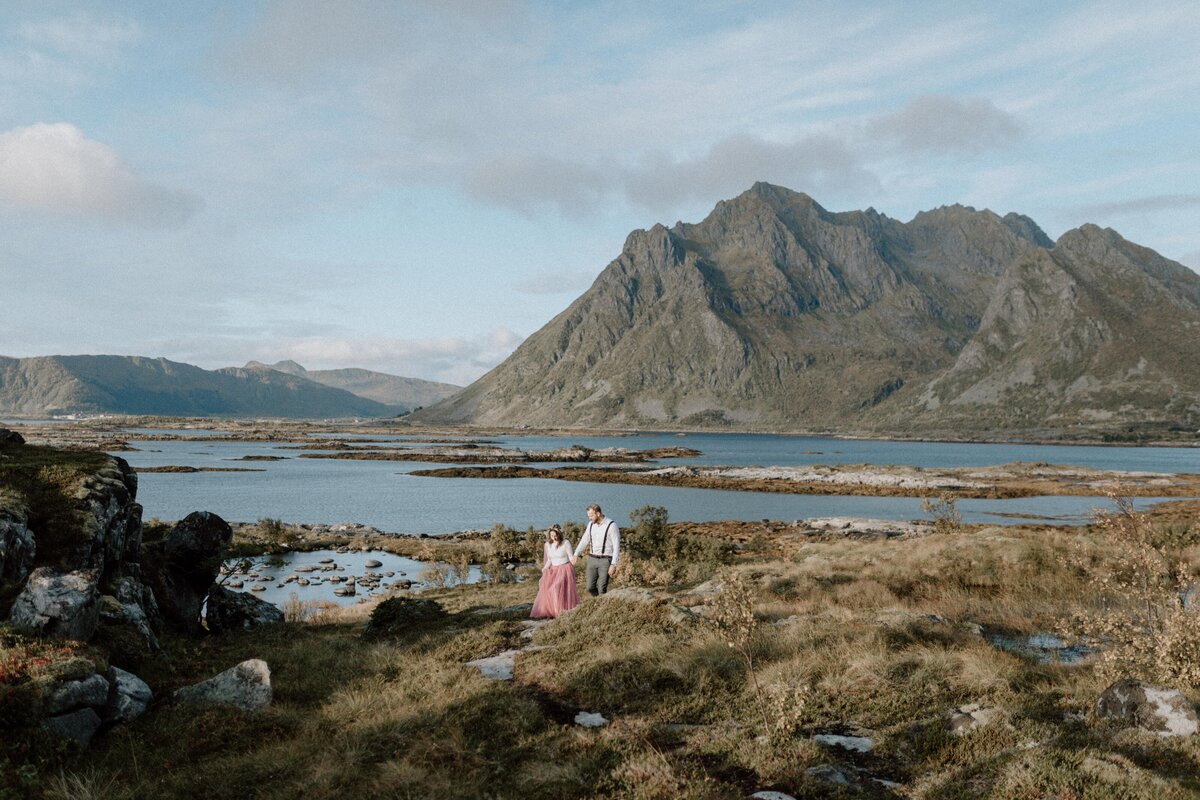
(811, 633)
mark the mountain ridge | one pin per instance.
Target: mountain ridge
(776, 313)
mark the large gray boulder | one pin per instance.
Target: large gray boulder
(192, 555)
(229, 610)
(90, 691)
(79, 725)
(1166, 712)
(246, 686)
(128, 697)
(60, 604)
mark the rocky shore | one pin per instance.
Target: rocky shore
(998, 482)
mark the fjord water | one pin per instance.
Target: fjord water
(386, 496)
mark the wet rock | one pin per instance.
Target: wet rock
(60, 604)
(79, 725)
(90, 691)
(228, 610)
(1166, 712)
(373, 564)
(128, 698)
(965, 719)
(246, 686)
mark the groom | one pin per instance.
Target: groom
(602, 539)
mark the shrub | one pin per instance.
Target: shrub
(509, 544)
(658, 557)
(1144, 628)
(398, 615)
(943, 513)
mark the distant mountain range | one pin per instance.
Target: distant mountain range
(773, 313)
(53, 385)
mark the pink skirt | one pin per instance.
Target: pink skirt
(556, 592)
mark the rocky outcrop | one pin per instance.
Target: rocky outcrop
(1165, 712)
(79, 705)
(246, 686)
(17, 546)
(59, 604)
(228, 610)
(191, 557)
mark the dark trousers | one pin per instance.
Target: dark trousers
(597, 574)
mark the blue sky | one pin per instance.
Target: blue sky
(415, 187)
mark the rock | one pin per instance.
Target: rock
(17, 546)
(9, 438)
(856, 744)
(373, 564)
(590, 720)
(498, 667)
(90, 691)
(127, 610)
(192, 553)
(828, 774)
(128, 698)
(1166, 712)
(246, 686)
(767, 795)
(965, 719)
(229, 610)
(79, 725)
(62, 604)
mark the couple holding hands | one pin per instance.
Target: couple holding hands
(556, 589)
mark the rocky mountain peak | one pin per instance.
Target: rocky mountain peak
(1027, 229)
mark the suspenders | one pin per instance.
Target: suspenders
(592, 538)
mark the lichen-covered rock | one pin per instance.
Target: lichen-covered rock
(246, 686)
(228, 610)
(61, 604)
(192, 555)
(128, 618)
(79, 725)
(128, 697)
(90, 691)
(1166, 712)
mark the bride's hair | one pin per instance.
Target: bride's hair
(554, 534)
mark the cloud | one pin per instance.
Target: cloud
(55, 168)
(529, 184)
(940, 124)
(1141, 205)
(555, 282)
(81, 35)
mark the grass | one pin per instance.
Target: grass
(864, 636)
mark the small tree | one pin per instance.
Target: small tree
(944, 513)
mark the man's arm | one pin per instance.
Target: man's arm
(586, 539)
(615, 536)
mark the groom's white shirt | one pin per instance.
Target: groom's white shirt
(611, 547)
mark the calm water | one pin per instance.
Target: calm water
(386, 496)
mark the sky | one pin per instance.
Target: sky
(414, 187)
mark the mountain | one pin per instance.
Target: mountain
(50, 385)
(381, 387)
(775, 313)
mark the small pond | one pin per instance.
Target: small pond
(319, 574)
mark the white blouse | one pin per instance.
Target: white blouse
(557, 556)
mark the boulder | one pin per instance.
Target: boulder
(10, 438)
(128, 696)
(90, 691)
(131, 609)
(229, 610)
(192, 555)
(246, 686)
(79, 725)
(1166, 712)
(61, 604)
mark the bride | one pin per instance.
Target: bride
(556, 589)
